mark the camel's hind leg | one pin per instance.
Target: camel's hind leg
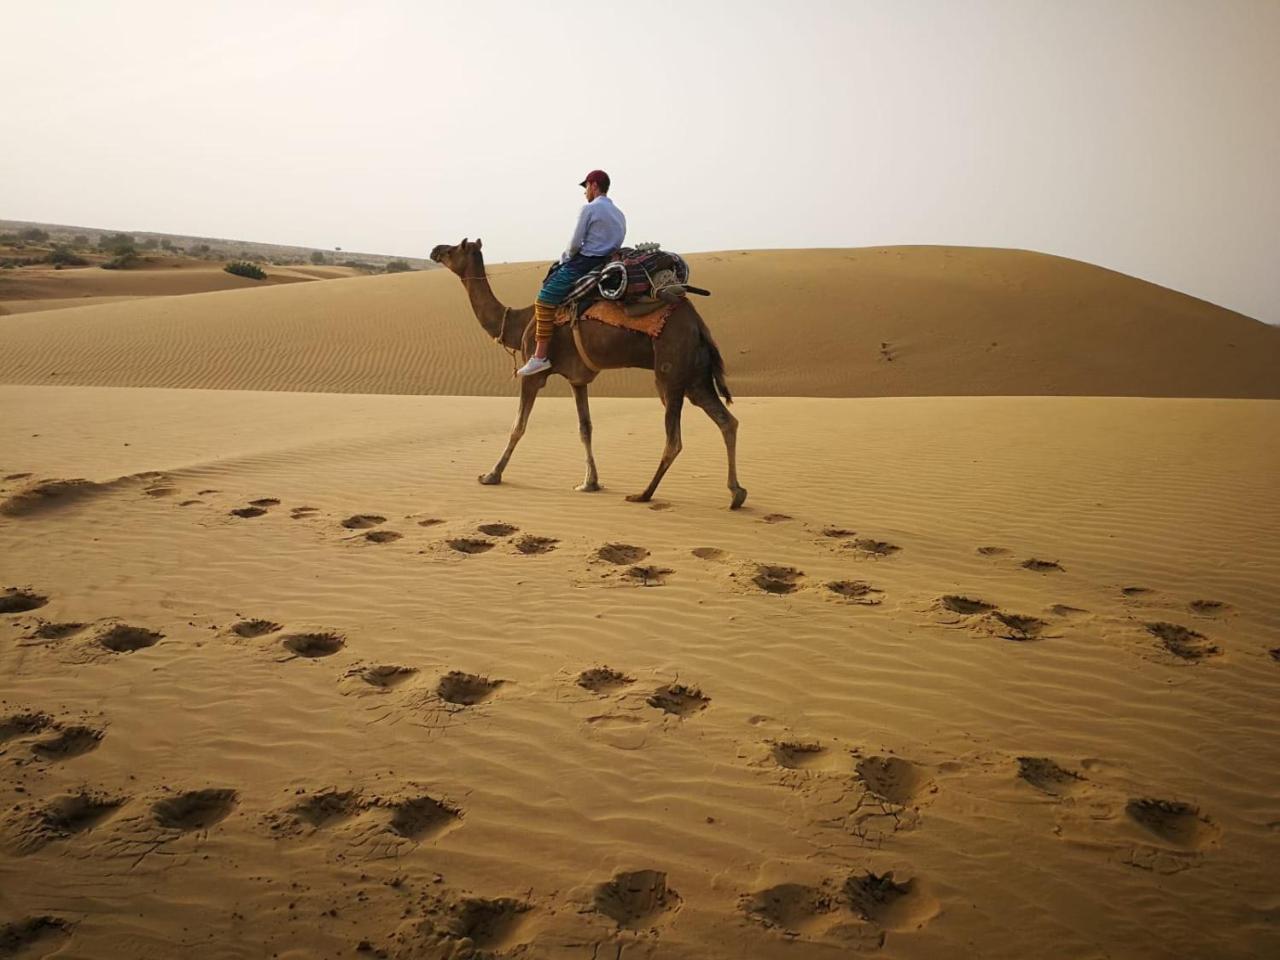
(529, 388)
(592, 481)
(675, 404)
(707, 398)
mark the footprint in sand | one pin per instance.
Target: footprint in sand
(838, 533)
(636, 899)
(466, 689)
(497, 529)
(965, 606)
(248, 512)
(1018, 628)
(1135, 591)
(534, 546)
(678, 700)
(1042, 566)
(775, 518)
(709, 553)
(160, 490)
(122, 638)
(1178, 824)
(68, 743)
(992, 551)
(807, 755)
(18, 600)
(316, 812)
(604, 680)
(43, 932)
(382, 536)
(470, 545)
(881, 900)
(1207, 608)
(876, 549)
(430, 522)
(313, 645)
(1183, 643)
(422, 818)
(621, 553)
(384, 677)
(363, 521)
(23, 724)
(61, 819)
(48, 495)
(195, 810)
(1048, 777)
(265, 502)
(772, 578)
(302, 513)
(648, 576)
(48, 630)
(249, 629)
(17, 476)
(472, 926)
(855, 591)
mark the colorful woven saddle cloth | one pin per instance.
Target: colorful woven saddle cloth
(615, 314)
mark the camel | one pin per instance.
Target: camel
(684, 358)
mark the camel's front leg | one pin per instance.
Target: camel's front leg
(592, 481)
(669, 452)
(529, 388)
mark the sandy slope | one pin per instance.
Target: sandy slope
(904, 321)
(838, 739)
(36, 289)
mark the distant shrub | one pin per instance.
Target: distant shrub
(80, 241)
(33, 235)
(398, 266)
(151, 243)
(121, 244)
(201, 249)
(8, 239)
(243, 268)
(121, 261)
(318, 257)
(63, 257)
(166, 244)
(359, 265)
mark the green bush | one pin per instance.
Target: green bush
(63, 257)
(243, 268)
(318, 257)
(80, 241)
(121, 244)
(398, 266)
(34, 235)
(121, 261)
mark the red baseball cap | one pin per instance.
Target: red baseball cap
(596, 176)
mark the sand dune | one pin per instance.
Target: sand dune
(967, 677)
(34, 289)
(895, 321)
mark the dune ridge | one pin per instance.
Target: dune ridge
(890, 321)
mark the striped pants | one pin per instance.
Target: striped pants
(560, 280)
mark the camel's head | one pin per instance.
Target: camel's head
(464, 259)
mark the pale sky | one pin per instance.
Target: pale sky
(1141, 135)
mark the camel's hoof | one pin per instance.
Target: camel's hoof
(739, 498)
(639, 497)
(490, 479)
(588, 488)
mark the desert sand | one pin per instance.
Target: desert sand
(985, 667)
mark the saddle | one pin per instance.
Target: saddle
(641, 280)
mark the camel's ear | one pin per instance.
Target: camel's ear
(463, 244)
(478, 243)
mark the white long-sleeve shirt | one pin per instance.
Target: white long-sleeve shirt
(600, 230)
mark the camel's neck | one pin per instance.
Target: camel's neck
(493, 316)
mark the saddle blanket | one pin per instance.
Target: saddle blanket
(614, 314)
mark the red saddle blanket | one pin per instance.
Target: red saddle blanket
(614, 314)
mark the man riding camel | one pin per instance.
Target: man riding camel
(600, 231)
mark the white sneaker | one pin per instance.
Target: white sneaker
(535, 365)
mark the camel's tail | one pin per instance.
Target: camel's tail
(717, 361)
